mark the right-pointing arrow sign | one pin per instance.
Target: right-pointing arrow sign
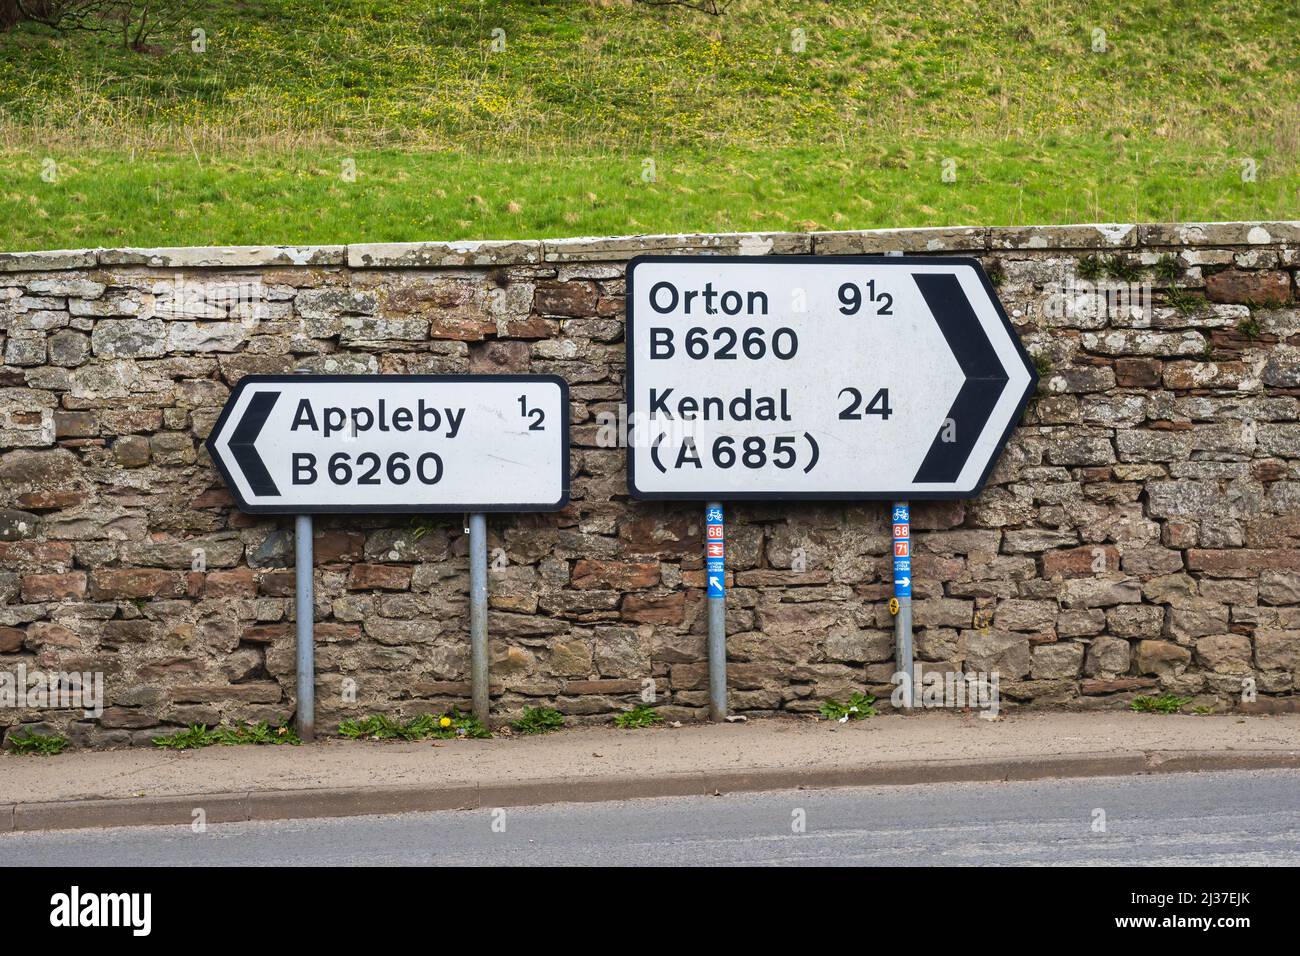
(787, 377)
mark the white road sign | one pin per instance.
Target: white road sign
(297, 444)
(792, 377)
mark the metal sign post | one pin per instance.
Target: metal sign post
(304, 548)
(305, 620)
(367, 444)
(478, 599)
(715, 571)
(902, 521)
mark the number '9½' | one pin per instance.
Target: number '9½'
(851, 299)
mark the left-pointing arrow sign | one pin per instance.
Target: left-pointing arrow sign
(243, 444)
(299, 444)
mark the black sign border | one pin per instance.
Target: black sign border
(630, 391)
(254, 380)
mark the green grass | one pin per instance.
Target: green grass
(578, 72)
(44, 745)
(245, 143)
(197, 735)
(427, 726)
(108, 199)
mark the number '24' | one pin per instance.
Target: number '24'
(879, 405)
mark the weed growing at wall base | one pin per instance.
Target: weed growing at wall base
(197, 736)
(45, 745)
(1164, 704)
(638, 717)
(859, 707)
(538, 720)
(448, 726)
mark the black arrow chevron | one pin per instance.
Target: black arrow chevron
(985, 377)
(243, 440)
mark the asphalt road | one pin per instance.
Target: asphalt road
(1245, 818)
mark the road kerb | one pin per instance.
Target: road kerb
(359, 801)
(132, 812)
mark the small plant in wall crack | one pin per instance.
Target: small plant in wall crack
(1090, 267)
(1168, 269)
(1250, 328)
(1121, 268)
(642, 715)
(420, 527)
(858, 707)
(1180, 298)
(538, 720)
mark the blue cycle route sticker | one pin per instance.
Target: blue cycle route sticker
(715, 553)
(902, 551)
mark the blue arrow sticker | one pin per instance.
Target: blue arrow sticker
(717, 577)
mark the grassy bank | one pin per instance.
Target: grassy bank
(468, 119)
(107, 198)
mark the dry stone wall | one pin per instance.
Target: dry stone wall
(1140, 533)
